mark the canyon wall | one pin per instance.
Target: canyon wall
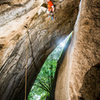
(79, 74)
(27, 36)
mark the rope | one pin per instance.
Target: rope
(26, 72)
(27, 35)
(25, 83)
(27, 60)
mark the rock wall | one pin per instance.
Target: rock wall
(26, 39)
(79, 74)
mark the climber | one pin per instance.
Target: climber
(50, 9)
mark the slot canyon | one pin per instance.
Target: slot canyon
(28, 36)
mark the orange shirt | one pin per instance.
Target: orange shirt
(50, 4)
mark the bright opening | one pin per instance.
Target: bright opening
(42, 87)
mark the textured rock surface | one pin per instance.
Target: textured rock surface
(79, 74)
(27, 38)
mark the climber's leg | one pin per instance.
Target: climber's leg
(52, 15)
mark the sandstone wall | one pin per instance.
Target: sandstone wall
(79, 74)
(27, 38)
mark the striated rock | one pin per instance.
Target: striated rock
(79, 74)
(27, 38)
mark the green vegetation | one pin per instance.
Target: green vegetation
(43, 84)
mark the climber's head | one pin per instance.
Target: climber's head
(48, 0)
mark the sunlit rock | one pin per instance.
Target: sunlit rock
(27, 38)
(79, 74)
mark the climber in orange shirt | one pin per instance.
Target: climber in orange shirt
(50, 8)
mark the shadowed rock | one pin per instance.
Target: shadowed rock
(28, 38)
(90, 89)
